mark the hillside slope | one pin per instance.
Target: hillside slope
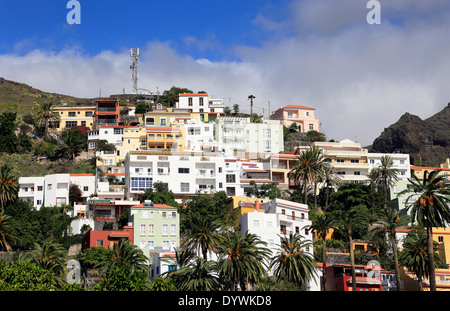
(20, 98)
(427, 141)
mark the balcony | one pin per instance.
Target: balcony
(107, 109)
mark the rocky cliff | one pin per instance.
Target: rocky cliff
(427, 141)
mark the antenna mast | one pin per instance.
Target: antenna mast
(134, 55)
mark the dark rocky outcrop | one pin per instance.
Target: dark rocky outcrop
(427, 141)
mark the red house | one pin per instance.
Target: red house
(107, 112)
(339, 277)
(107, 238)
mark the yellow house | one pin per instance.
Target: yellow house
(419, 171)
(73, 116)
(134, 138)
(244, 204)
(162, 137)
(442, 237)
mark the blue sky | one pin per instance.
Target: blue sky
(319, 53)
(115, 25)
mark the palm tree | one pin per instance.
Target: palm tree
(354, 219)
(50, 256)
(307, 168)
(5, 229)
(242, 260)
(203, 235)
(388, 224)
(429, 208)
(251, 97)
(329, 178)
(199, 276)
(415, 255)
(387, 174)
(322, 222)
(9, 187)
(124, 253)
(44, 113)
(293, 263)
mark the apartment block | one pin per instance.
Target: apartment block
(279, 219)
(348, 159)
(303, 116)
(200, 102)
(238, 135)
(53, 190)
(185, 173)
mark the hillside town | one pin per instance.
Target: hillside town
(195, 183)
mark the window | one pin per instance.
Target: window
(151, 244)
(85, 188)
(165, 244)
(340, 160)
(71, 113)
(440, 239)
(220, 185)
(39, 188)
(49, 187)
(231, 178)
(142, 229)
(151, 229)
(267, 133)
(190, 101)
(173, 229)
(183, 170)
(267, 144)
(184, 187)
(60, 201)
(70, 124)
(357, 173)
(83, 123)
(163, 121)
(311, 127)
(141, 183)
(354, 161)
(200, 101)
(99, 242)
(256, 223)
(88, 113)
(118, 131)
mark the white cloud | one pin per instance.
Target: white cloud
(360, 78)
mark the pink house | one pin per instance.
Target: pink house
(301, 115)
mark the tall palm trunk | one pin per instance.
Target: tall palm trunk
(324, 262)
(397, 269)
(419, 282)
(352, 260)
(432, 277)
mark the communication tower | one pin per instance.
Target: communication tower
(134, 55)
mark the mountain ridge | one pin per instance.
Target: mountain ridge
(426, 141)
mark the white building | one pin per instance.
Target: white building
(185, 173)
(239, 135)
(199, 136)
(400, 161)
(275, 220)
(200, 102)
(53, 190)
(112, 134)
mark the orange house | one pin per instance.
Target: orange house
(107, 238)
